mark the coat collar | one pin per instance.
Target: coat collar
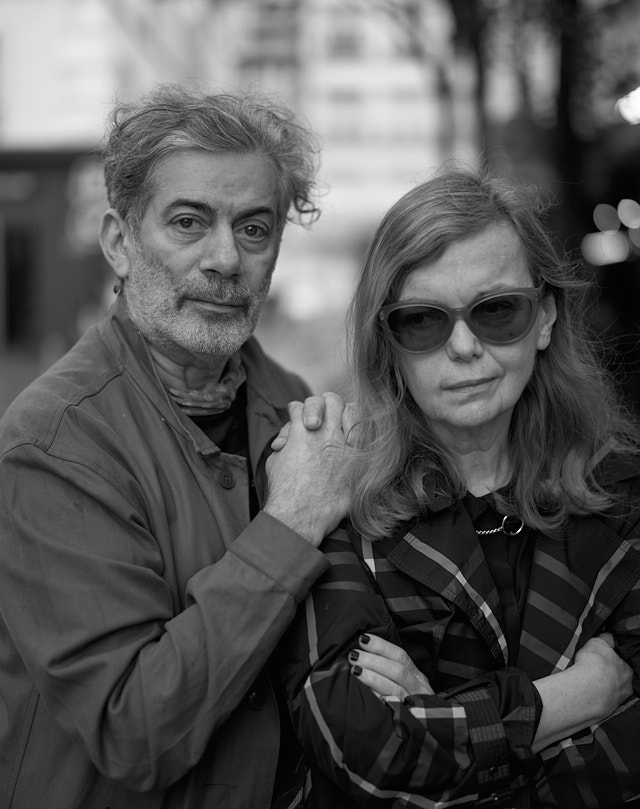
(575, 582)
(266, 395)
(443, 553)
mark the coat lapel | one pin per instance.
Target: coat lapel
(587, 574)
(455, 570)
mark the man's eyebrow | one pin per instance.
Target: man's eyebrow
(268, 209)
(184, 202)
(203, 207)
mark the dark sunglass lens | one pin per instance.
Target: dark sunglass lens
(503, 318)
(418, 328)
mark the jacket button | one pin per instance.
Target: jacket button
(226, 479)
(256, 700)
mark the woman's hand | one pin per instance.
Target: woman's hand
(387, 669)
(599, 658)
(585, 693)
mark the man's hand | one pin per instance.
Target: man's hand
(387, 669)
(309, 477)
(313, 410)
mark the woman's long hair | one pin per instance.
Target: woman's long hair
(568, 416)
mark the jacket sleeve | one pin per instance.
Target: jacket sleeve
(601, 766)
(139, 679)
(471, 744)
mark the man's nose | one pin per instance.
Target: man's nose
(220, 252)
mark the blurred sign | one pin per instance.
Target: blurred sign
(17, 186)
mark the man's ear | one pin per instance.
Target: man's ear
(115, 241)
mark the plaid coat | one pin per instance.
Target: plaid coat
(429, 589)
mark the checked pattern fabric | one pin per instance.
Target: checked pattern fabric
(430, 590)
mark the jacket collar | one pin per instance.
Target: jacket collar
(443, 552)
(266, 396)
(456, 569)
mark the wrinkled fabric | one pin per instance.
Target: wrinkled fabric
(138, 603)
(430, 589)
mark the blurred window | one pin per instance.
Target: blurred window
(273, 36)
(19, 258)
(344, 45)
(345, 114)
(344, 36)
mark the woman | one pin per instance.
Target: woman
(460, 649)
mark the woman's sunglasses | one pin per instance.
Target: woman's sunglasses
(420, 327)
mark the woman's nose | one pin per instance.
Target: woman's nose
(462, 343)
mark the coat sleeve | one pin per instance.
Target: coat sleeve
(138, 678)
(471, 744)
(601, 765)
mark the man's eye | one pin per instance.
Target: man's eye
(185, 222)
(254, 231)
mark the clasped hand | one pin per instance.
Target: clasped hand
(309, 473)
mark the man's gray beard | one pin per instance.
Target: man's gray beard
(209, 335)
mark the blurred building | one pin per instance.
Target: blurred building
(347, 69)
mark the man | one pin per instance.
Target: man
(144, 579)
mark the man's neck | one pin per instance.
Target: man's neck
(200, 390)
(176, 375)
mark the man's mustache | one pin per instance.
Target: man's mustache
(231, 294)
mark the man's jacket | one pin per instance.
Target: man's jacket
(430, 590)
(138, 603)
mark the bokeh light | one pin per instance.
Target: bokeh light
(634, 238)
(610, 247)
(605, 217)
(629, 106)
(629, 213)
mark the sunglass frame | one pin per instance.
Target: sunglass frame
(534, 294)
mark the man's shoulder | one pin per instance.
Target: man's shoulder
(78, 376)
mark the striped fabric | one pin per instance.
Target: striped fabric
(430, 590)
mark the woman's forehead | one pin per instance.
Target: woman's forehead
(493, 259)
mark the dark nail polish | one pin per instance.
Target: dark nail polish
(353, 655)
(356, 671)
(364, 639)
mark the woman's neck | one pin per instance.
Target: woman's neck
(483, 472)
(481, 455)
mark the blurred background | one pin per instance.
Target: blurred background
(545, 90)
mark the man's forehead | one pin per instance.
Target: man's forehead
(215, 179)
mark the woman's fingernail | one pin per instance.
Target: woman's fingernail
(353, 655)
(364, 639)
(356, 671)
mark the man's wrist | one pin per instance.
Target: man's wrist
(295, 521)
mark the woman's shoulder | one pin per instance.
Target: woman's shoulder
(616, 470)
(619, 476)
